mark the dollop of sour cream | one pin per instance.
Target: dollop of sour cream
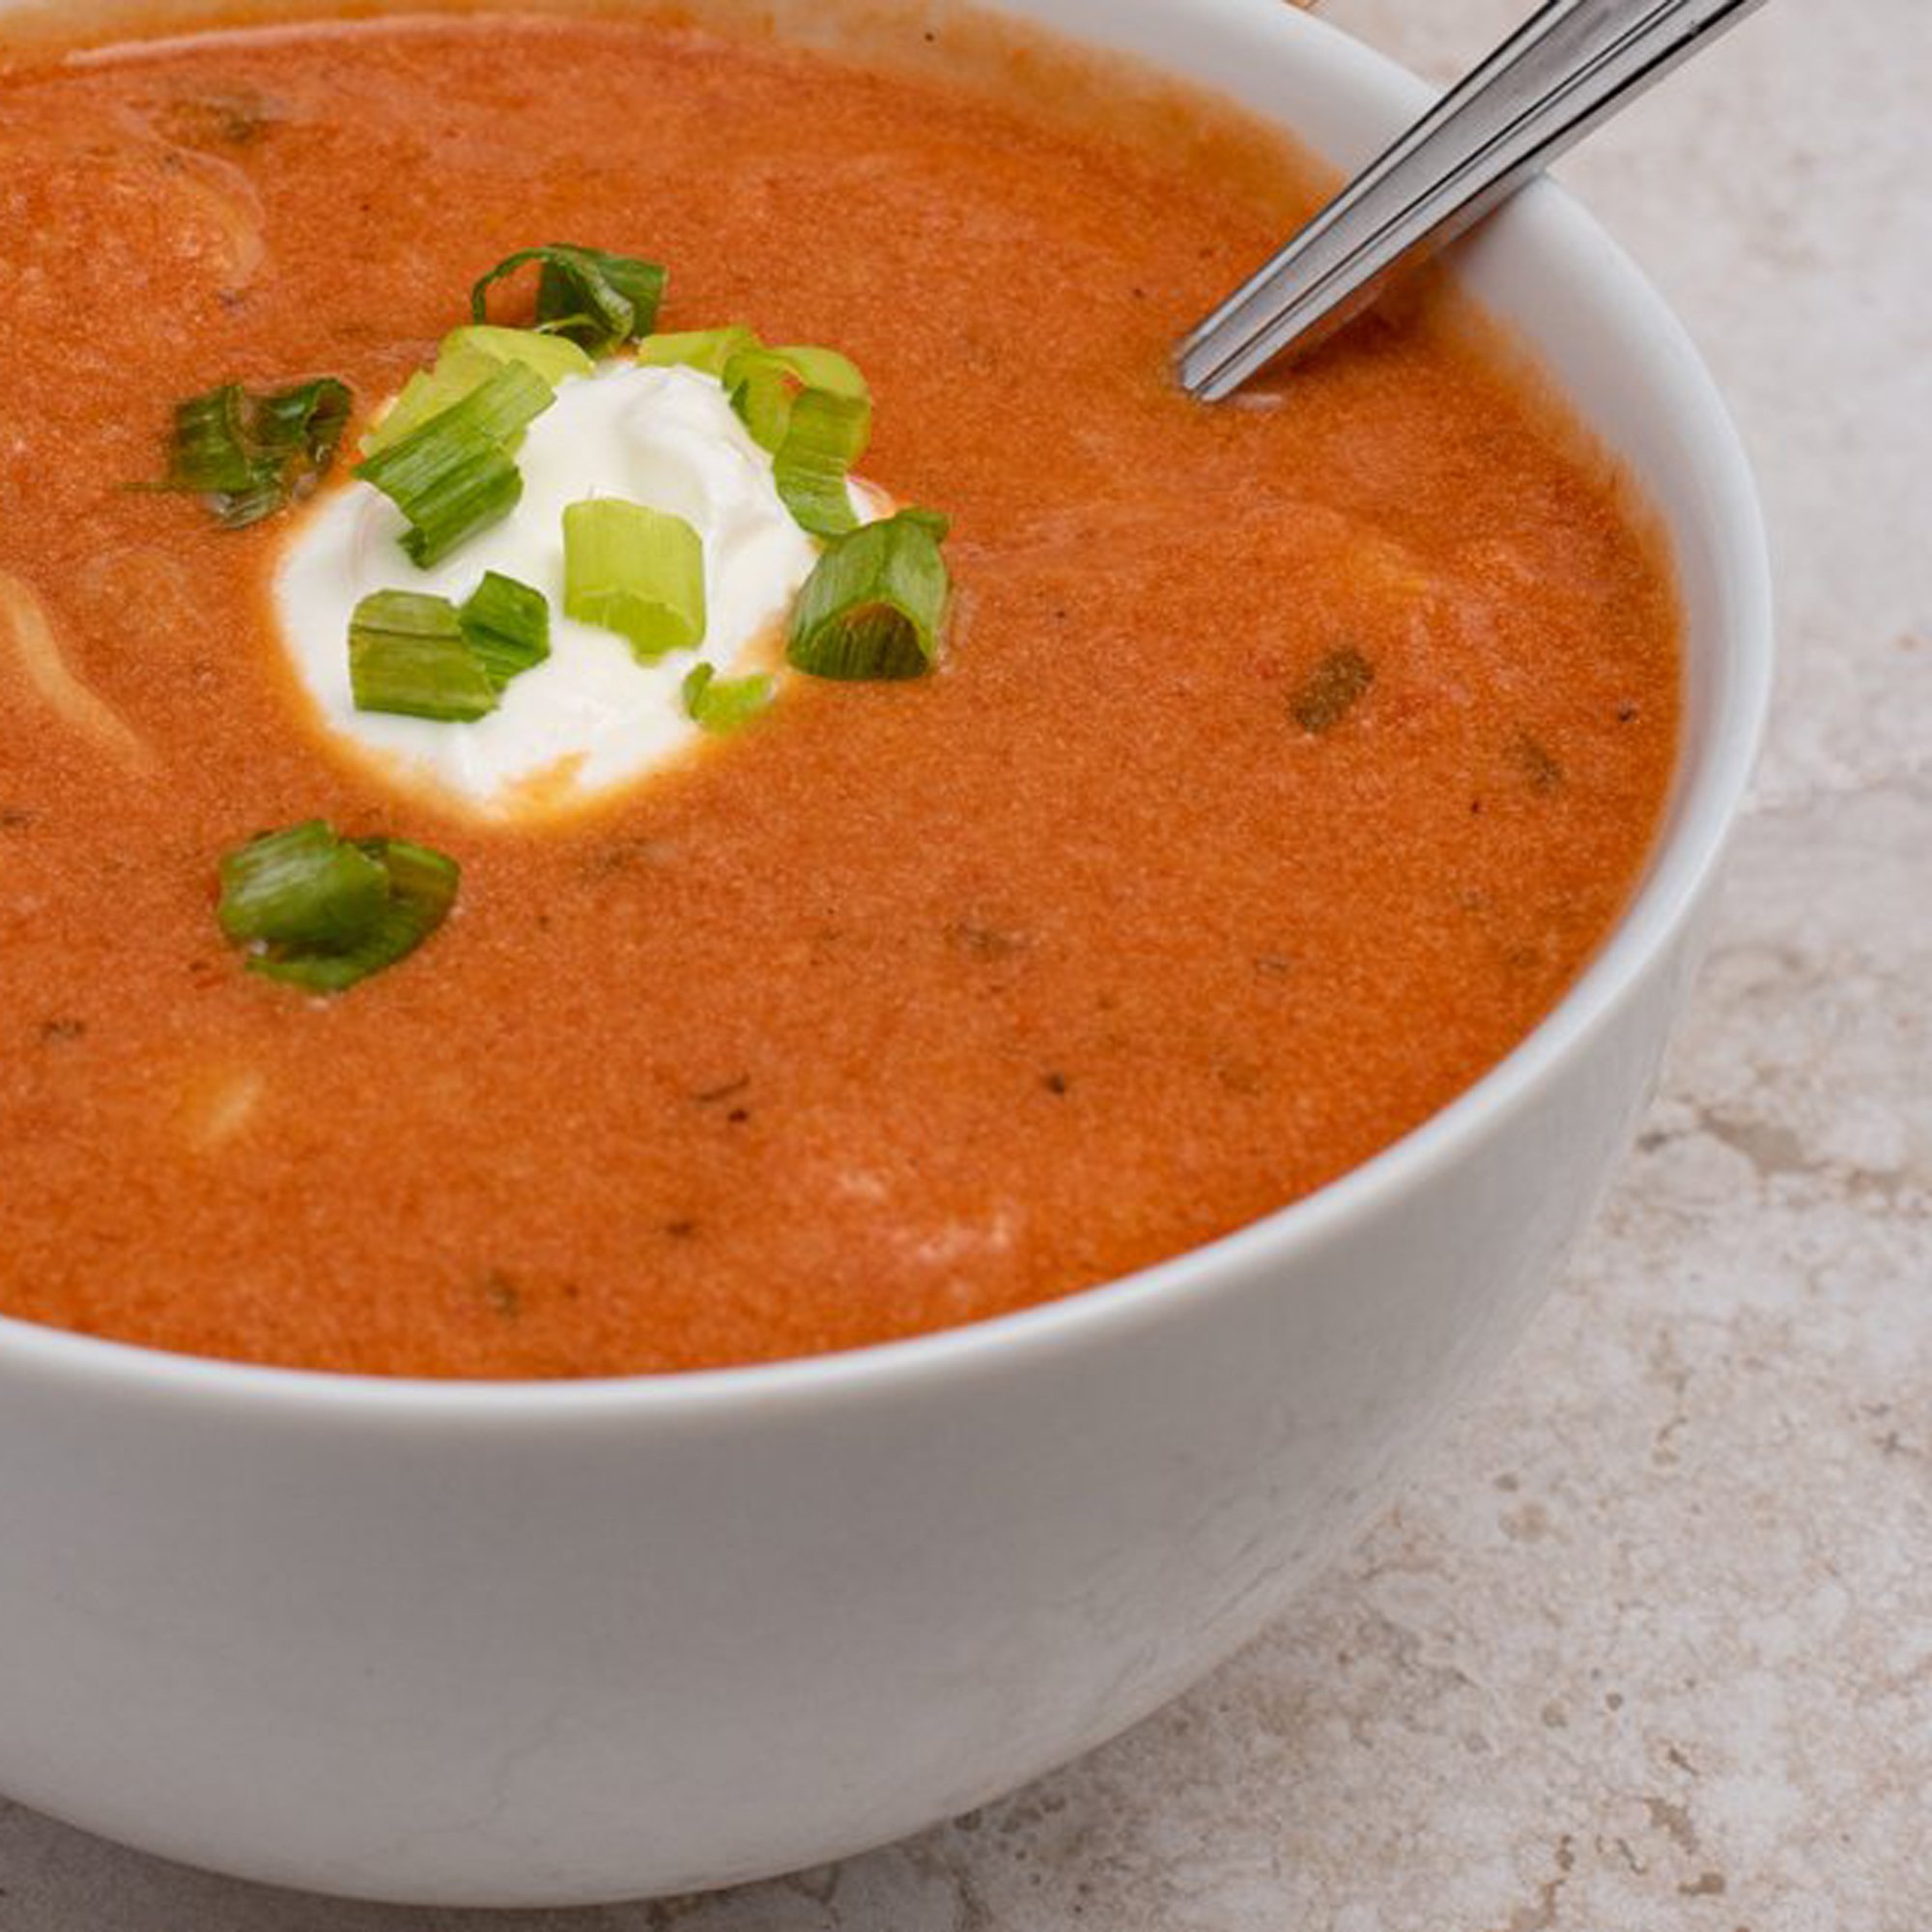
(592, 718)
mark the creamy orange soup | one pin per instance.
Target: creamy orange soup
(1286, 762)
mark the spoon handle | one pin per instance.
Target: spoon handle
(1574, 64)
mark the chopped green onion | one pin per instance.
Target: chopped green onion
(453, 475)
(724, 705)
(827, 436)
(422, 891)
(449, 493)
(551, 356)
(501, 409)
(811, 409)
(875, 605)
(252, 453)
(427, 395)
(598, 300)
(467, 358)
(421, 657)
(325, 913)
(211, 445)
(709, 351)
(506, 625)
(303, 887)
(409, 655)
(764, 384)
(636, 570)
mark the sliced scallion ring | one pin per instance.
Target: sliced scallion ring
(724, 705)
(551, 356)
(707, 350)
(827, 435)
(426, 395)
(253, 453)
(596, 300)
(454, 475)
(763, 385)
(325, 913)
(506, 625)
(875, 605)
(810, 408)
(636, 570)
(303, 886)
(467, 358)
(410, 655)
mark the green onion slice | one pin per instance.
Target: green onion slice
(454, 475)
(326, 913)
(764, 384)
(303, 887)
(427, 395)
(598, 300)
(506, 625)
(811, 410)
(827, 436)
(709, 351)
(253, 453)
(875, 605)
(551, 356)
(409, 655)
(636, 570)
(724, 705)
(467, 358)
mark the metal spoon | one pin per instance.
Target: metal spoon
(1570, 66)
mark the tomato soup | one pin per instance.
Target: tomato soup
(1284, 761)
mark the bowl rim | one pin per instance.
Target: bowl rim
(1710, 792)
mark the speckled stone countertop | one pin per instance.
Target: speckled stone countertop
(1648, 1645)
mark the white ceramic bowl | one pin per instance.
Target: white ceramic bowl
(540, 1644)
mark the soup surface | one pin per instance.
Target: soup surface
(1286, 761)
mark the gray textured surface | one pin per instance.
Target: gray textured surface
(1649, 1643)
